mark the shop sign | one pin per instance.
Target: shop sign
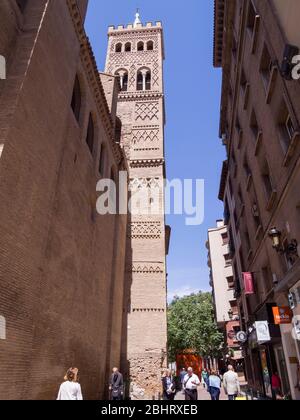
(248, 283)
(282, 315)
(262, 332)
(241, 336)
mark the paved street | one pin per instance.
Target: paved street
(203, 395)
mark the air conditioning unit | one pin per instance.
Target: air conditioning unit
(287, 66)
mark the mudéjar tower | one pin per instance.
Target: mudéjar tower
(136, 54)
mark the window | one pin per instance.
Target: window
(266, 177)
(124, 86)
(266, 66)
(247, 241)
(102, 164)
(22, 5)
(230, 282)
(234, 307)
(140, 81)
(243, 81)
(119, 48)
(225, 238)
(234, 47)
(247, 169)
(150, 46)
(256, 214)
(148, 80)
(254, 125)
(123, 78)
(144, 79)
(228, 259)
(128, 47)
(251, 19)
(140, 46)
(90, 134)
(76, 99)
(286, 127)
(240, 201)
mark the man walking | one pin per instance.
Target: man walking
(231, 384)
(116, 385)
(190, 385)
(182, 376)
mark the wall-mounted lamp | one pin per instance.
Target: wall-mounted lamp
(290, 249)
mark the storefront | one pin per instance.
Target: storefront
(266, 354)
(291, 342)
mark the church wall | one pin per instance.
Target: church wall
(57, 267)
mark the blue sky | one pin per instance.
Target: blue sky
(193, 86)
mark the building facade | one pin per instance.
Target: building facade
(135, 55)
(254, 44)
(222, 283)
(57, 274)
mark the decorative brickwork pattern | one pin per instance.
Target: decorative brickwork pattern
(146, 111)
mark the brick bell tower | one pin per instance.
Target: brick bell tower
(136, 55)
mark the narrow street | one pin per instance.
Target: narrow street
(203, 395)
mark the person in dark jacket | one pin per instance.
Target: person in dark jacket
(169, 386)
(116, 385)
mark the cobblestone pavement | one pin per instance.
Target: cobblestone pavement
(203, 395)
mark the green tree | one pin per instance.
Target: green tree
(191, 325)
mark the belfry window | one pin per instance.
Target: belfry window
(76, 99)
(144, 79)
(148, 80)
(150, 46)
(123, 78)
(119, 48)
(128, 47)
(140, 46)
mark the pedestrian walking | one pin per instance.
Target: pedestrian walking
(182, 376)
(231, 383)
(70, 390)
(214, 386)
(205, 376)
(190, 385)
(116, 386)
(276, 386)
(169, 386)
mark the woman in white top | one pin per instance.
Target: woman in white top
(70, 390)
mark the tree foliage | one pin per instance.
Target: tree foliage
(191, 326)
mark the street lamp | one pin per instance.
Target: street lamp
(275, 235)
(289, 249)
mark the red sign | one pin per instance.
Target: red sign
(248, 283)
(282, 315)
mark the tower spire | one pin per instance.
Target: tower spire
(137, 18)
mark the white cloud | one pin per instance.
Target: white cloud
(185, 290)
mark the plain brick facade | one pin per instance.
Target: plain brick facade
(61, 265)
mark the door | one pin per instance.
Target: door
(282, 370)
